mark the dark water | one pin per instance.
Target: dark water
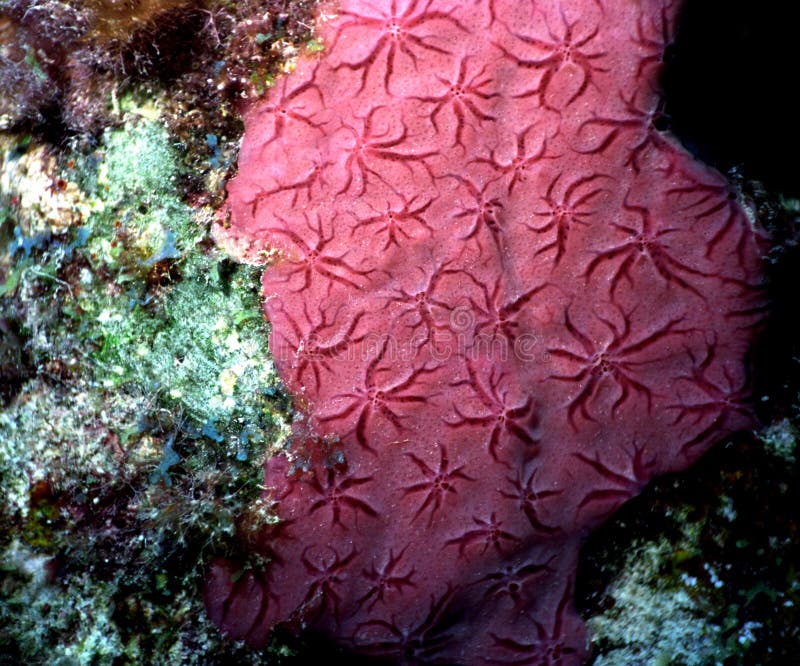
(729, 81)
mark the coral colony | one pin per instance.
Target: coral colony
(503, 301)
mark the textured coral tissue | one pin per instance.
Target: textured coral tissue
(502, 300)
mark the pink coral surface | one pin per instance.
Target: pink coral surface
(503, 300)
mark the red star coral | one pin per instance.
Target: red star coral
(502, 298)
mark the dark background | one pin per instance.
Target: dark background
(728, 82)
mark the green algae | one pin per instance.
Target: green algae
(42, 614)
(138, 218)
(156, 310)
(199, 349)
(126, 552)
(660, 616)
(134, 453)
(780, 438)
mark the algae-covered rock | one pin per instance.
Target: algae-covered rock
(140, 403)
